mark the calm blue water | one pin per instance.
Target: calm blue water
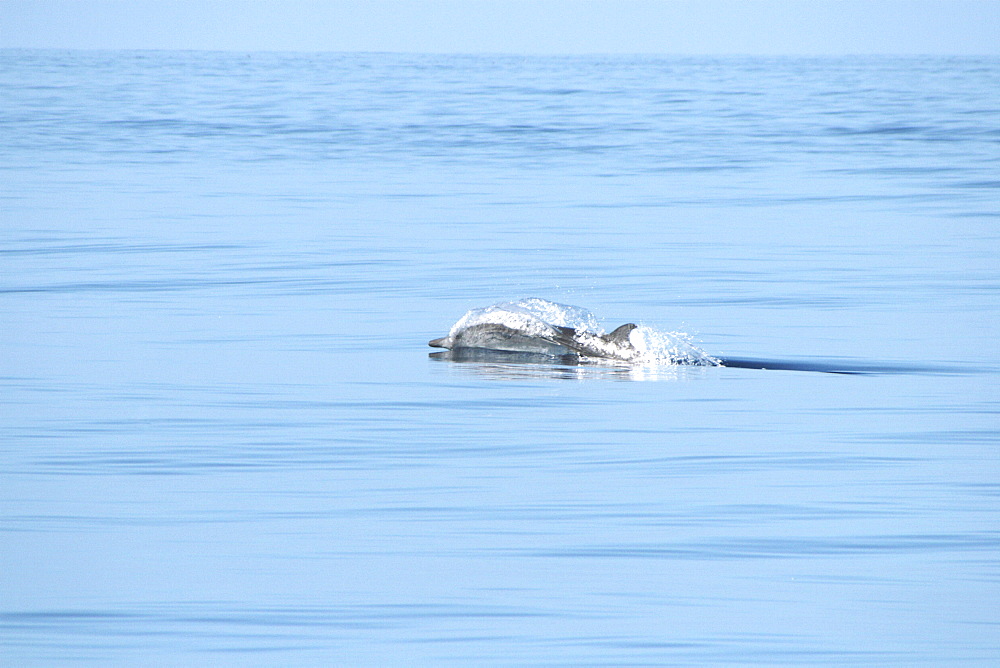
(223, 442)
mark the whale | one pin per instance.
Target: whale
(552, 340)
(540, 328)
(539, 331)
(496, 343)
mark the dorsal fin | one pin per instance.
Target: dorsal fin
(620, 336)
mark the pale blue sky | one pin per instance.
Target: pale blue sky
(512, 26)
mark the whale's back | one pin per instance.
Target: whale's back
(492, 336)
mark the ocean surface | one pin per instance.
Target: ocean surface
(223, 440)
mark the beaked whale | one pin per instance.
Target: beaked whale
(555, 340)
(539, 328)
(535, 331)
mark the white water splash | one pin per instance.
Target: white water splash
(656, 347)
